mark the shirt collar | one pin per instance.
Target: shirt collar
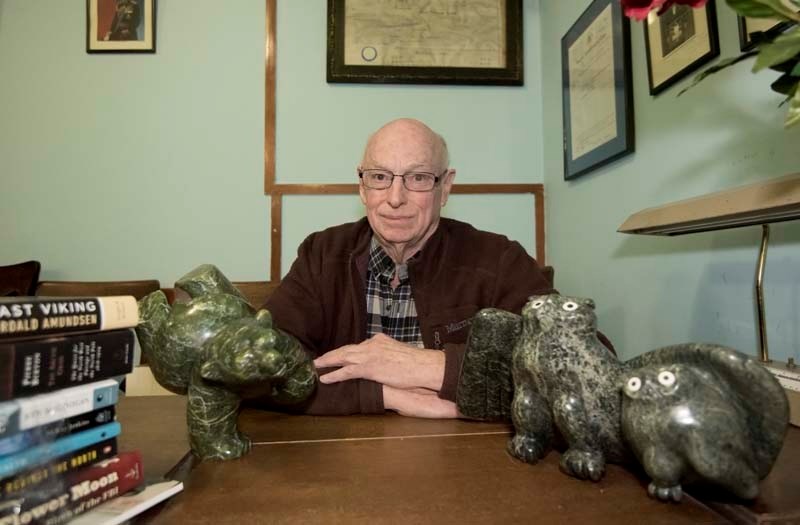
(381, 265)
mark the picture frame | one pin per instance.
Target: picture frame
(766, 26)
(678, 42)
(120, 26)
(597, 89)
(390, 42)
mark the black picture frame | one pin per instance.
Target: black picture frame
(612, 82)
(338, 71)
(748, 40)
(120, 26)
(694, 42)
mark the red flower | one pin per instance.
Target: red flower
(639, 9)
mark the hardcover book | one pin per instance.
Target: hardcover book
(71, 495)
(55, 430)
(31, 457)
(34, 316)
(60, 466)
(35, 366)
(121, 509)
(25, 413)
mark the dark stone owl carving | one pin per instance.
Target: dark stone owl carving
(689, 412)
(696, 412)
(565, 377)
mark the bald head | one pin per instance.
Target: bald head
(408, 140)
(403, 219)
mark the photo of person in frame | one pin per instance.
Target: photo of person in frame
(120, 20)
(677, 27)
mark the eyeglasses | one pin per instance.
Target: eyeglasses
(413, 180)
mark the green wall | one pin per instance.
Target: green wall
(653, 291)
(142, 166)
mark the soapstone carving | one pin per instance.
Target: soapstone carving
(700, 411)
(688, 413)
(566, 378)
(217, 350)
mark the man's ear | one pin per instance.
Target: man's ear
(447, 184)
(362, 192)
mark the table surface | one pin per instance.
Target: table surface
(390, 469)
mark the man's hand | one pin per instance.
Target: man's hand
(386, 361)
(418, 403)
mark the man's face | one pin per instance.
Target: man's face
(399, 217)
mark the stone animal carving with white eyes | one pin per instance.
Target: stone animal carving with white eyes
(702, 412)
(565, 377)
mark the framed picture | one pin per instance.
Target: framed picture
(678, 42)
(423, 42)
(597, 92)
(751, 28)
(120, 26)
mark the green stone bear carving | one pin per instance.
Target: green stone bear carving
(217, 350)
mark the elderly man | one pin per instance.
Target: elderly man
(384, 304)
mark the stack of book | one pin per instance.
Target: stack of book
(61, 360)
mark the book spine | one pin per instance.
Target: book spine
(31, 457)
(25, 413)
(33, 316)
(53, 363)
(62, 465)
(75, 494)
(55, 430)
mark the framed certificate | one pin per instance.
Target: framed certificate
(679, 41)
(597, 92)
(423, 42)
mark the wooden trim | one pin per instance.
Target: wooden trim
(458, 189)
(269, 98)
(538, 210)
(276, 232)
(277, 191)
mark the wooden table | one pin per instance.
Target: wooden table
(391, 469)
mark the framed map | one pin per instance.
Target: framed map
(425, 41)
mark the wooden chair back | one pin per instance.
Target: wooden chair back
(19, 279)
(549, 274)
(256, 292)
(137, 289)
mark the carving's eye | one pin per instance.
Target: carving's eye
(570, 306)
(634, 384)
(537, 304)
(666, 378)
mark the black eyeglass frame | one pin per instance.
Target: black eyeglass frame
(436, 178)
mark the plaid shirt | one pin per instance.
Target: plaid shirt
(390, 311)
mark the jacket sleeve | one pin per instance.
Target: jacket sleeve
(518, 277)
(297, 308)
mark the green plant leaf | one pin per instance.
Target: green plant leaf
(783, 48)
(763, 9)
(796, 71)
(785, 85)
(719, 66)
(793, 115)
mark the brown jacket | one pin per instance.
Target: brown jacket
(459, 271)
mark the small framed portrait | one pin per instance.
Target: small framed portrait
(678, 42)
(120, 26)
